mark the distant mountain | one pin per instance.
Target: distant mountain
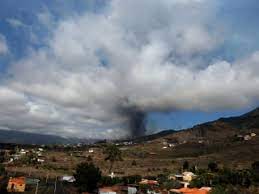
(18, 137)
(213, 131)
(154, 136)
(232, 141)
(216, 131)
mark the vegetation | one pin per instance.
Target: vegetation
(2, 169)
(113, 154)
(87, 177)
(213, 167)
(186, 165)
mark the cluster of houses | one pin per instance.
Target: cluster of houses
(153, 186)
(19, 184)
(37, 153)
(247, 136)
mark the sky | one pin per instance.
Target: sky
(86, 68)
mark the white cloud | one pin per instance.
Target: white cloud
(15, 22)
(3, 45)
(147, 54)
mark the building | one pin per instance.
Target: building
(247, 137)
(202, 190)
(148, 182)
(188, 176)
(118, 189)
(16, 184)
(69, 179)
(110, 190)
(185, 176)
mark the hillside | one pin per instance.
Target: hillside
(226, 140)
(217, 130)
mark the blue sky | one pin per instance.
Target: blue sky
(104, 34)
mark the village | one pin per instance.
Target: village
(119, 167)
(36, 156)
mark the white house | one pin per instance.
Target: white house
(67, 178)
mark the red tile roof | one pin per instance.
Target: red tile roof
(18, 180)
(191, 191)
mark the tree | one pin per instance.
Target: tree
(255, 166)
(2, 156)
(171, 184)
(134, 163)
(213, 167)
(29, 158)
(113, 154)
(185, 165)
(87, 177)
(2, 169)
(89, 158)
(218, 190)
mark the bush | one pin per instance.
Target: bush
(89, 158)
(108, 181)
(134, 179)
(2, 169)
(87, 177)
(213, 167)
(255, 166)
(171, 184)
(186, 165)
(218, 190)
(134, 163)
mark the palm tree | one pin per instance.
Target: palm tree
(113, 154)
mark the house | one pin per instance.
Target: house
(118, 189)
(188, 176)
(148, 182)
(110, 190)
(112, 175)
(23, 151)
(132, 190)
(16, 184)
(185, 176)
(202, 190)
(177, 177)
(171, 145)
(247, 137)
(40, 160)
(91, 150)
(69, 179)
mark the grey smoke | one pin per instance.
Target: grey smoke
(136, 120)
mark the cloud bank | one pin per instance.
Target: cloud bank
(100, 73)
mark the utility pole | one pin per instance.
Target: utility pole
(55, 186)
(15, 170)
(30, 171)
(47, 177)
(36, 190)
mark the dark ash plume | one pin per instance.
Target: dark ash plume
(136, 120)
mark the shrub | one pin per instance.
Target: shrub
(87, 177)
(186, 165)
(213, 167)
(134, 163)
